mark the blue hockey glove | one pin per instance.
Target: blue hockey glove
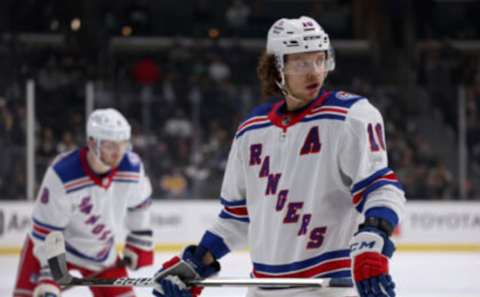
(172, 286)
(370, 250)
(170, 279)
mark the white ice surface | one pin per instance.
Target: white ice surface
(416, 275)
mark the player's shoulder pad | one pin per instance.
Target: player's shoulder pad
(131, 162)
(258, 118)
(343, 99)
(364, 111)
(261, 110)
(68, 166)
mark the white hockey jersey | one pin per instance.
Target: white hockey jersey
(90, 210)
(297, 185)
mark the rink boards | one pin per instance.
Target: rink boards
(428, 226)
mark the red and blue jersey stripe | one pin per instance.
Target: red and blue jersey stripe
(381, 178)
(41, 230)
(329, 106)
(257, 119)
(75, 173)
(126, 177)
(235, 210)
(326, 112)
(333, 108)
(78, 184)
(253, 123)
(330, 264)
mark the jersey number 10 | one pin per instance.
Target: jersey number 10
(375, 137)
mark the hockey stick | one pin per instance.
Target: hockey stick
(118, 264)
(55, 247)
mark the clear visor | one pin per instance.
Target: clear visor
(302, 67)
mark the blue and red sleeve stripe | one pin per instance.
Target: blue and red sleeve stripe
(235, 210)
(41, 230)
(362, 189)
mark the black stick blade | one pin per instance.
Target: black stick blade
(58, 267)
(55, 250)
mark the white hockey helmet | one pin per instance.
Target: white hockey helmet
(291, 36)
(108, 124)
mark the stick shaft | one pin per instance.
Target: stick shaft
(218, 282)
(119, 282)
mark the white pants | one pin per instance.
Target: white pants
(307, 292)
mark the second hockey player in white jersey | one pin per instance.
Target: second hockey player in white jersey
(307, 185)
(90, 194)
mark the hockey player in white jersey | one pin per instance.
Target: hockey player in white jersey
(90, 194)
(307, 186)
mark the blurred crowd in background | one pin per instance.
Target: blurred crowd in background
(185, 100)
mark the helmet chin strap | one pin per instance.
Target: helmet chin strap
(284, 89)
(288, 94)
(97, 156)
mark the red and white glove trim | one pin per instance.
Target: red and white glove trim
(139, 249)
(137, 258)
(367, 258)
